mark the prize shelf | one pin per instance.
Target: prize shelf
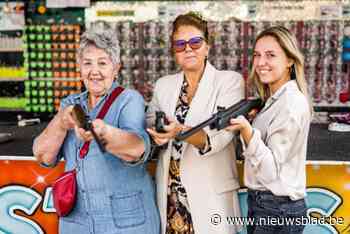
(9, 50)
(9, 79)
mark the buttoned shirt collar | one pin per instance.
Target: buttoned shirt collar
(288, 85)
(83, 100)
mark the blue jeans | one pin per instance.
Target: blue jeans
(275, 214)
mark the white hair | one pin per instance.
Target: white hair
(103, 37)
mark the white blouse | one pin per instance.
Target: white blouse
(276, 155)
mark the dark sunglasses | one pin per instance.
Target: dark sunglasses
(195, 43)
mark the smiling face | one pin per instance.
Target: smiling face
(190, 59)
(271, 63)
(97, 71)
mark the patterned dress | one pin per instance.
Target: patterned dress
(179, 219)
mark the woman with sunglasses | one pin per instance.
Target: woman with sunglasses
(197, 179)
(276, 142)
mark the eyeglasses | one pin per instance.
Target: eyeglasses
(180, 45)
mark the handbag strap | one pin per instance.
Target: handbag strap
(115, 93)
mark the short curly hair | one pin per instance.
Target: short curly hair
(101, 35)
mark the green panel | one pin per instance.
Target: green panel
(15, 103)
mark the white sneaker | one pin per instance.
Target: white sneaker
(339, 127)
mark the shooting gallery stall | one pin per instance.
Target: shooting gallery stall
(26, 204)
(38, 68)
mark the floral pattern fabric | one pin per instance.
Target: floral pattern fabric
(179, 219)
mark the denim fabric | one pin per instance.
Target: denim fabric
(270, 213)
(114, 197)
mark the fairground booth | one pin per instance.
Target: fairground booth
(38, 67)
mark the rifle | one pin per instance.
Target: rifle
(221, 119)
(83, 121)
(161, 120)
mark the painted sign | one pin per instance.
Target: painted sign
(26, 205)
(25, 196)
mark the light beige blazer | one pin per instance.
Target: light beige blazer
(210, 180)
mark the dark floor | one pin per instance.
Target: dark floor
(322, 145)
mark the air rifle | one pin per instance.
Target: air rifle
(161, 120)
(85, 123)
(221, 119)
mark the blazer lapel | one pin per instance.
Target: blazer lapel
(202, 97)
(174, 88)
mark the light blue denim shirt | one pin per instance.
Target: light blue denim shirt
(126, 113)
(113, 196)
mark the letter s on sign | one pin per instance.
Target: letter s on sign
(18, 198)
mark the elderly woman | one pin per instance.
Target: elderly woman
(115, 193)
(197, 179)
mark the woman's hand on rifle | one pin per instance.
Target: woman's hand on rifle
(171, 130)
(241, 124)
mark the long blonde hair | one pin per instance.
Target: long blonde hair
(289, 44)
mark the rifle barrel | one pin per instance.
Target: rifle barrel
(221, 119)
(183, 135)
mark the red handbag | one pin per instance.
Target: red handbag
(64, 191)
(64, 188)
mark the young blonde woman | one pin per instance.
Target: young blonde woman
(276, 142)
